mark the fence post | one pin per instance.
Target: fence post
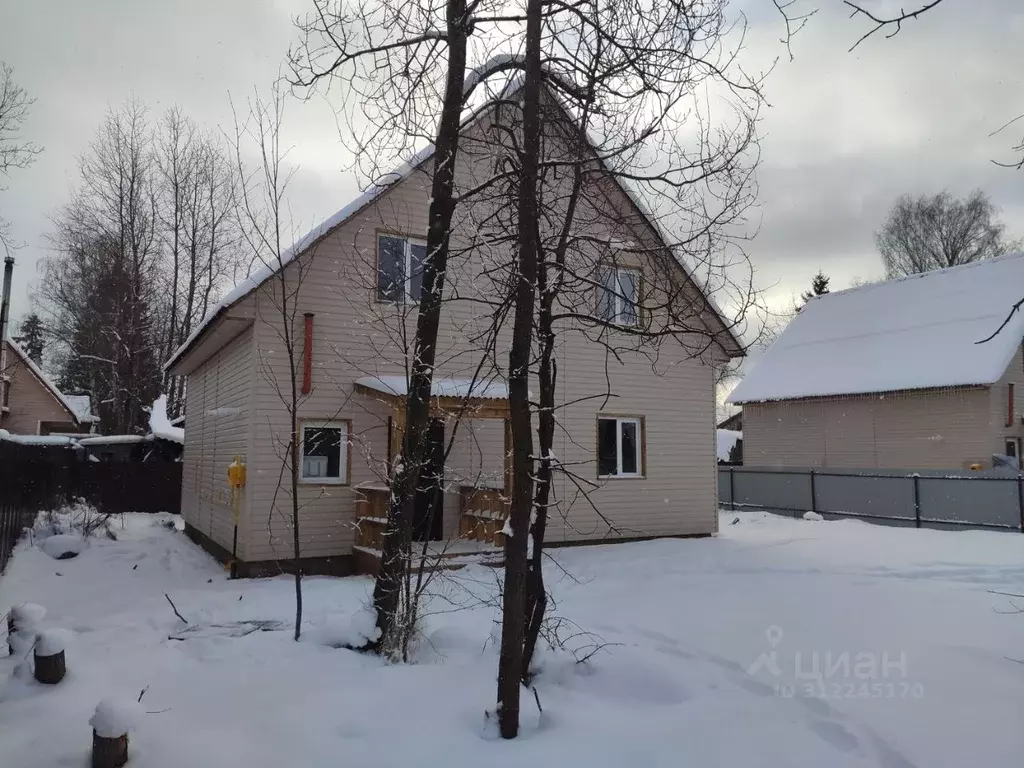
(732, 489)
(917, 500)
(814, 495)
(1020, 500)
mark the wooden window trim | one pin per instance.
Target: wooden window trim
(1010, 405)
(346, 443)
(642, 421)
(414, 239)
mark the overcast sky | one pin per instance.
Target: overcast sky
(844, 136)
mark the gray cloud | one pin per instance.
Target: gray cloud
(845, 135)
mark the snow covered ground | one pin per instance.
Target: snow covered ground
(712, 650)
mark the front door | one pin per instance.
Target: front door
(429, 501)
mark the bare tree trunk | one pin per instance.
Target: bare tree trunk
(511, 656)
(395, 553)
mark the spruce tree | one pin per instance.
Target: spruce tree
(30, 337)
(819, 287)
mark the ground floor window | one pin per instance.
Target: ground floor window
(619, 446)
(325, 452)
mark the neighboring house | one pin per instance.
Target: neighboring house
(734, 423)
(646, 452)
(31, 402)
(896, 375)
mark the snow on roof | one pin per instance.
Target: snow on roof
(37, 439)
(112, 440)
(161, 426)
(81, 406)
(726, 439)
(43, 378)
(440, 387)
(916, 332)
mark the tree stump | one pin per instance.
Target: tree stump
(50, 670)
(109, 753)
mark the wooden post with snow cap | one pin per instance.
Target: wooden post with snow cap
(111, 723)
(50, 663)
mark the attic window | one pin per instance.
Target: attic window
(400, 269)
(618, 296)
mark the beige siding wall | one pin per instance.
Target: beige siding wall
(354, 336)
(942, 429)
(30, 400)
(218, 428)
(999, 401)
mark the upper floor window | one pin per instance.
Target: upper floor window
(400, 268)
(618, 296)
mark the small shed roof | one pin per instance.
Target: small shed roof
(917, 332)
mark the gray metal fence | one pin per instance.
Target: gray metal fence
(931, 499)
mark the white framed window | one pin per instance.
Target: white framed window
(618, 296)
(619, 446)
(400, 268)
(324, 452)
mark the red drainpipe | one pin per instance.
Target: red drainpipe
(307, 356)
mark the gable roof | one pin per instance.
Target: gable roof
(377, 190)
(913, 333)
(43, 379)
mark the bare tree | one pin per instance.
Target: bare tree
(939, 231)
(15, 151)
(100, 287)
(267, 234)
(196, 194)
(386, 54)
(602, 149)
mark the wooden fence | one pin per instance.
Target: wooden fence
(33, 478)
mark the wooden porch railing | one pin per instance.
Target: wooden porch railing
(482, 515)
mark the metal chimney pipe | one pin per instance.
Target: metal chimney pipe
(5, 309)
(5, 305)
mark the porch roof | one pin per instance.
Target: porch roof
(440, 387)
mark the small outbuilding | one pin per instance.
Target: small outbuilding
(924, 372)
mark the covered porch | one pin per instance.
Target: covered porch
(461, 504)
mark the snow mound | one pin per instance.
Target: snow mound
(355, 632)
(50, 642)
(27, 615)
(114, 718)
(812, 516)
(63, 546)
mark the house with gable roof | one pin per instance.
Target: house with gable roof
(923, 372)
(638, 436)
(32, 404)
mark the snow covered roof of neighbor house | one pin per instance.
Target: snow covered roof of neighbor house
(43, 378)
(81, 406)
(917, 332)
(440, 387)
(387, 182)
(160, 426)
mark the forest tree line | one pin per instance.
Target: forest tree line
(146, 245)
